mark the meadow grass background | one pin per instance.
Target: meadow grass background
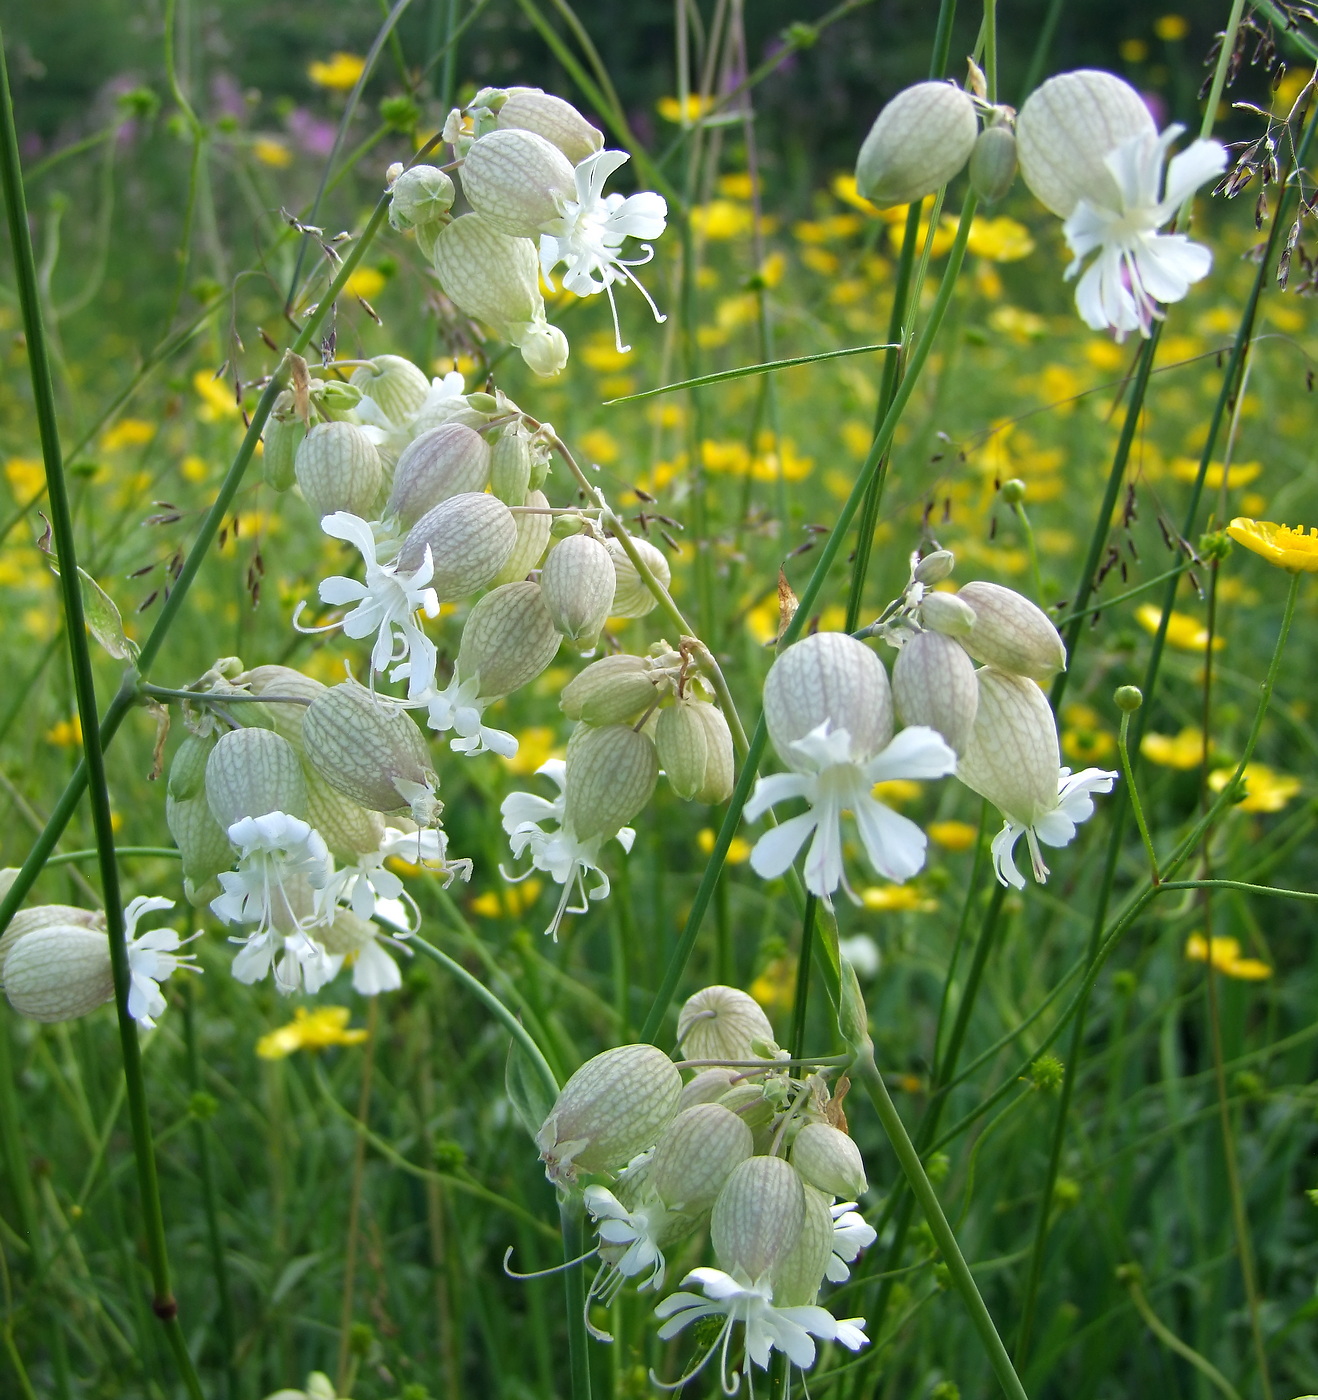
(153, 233)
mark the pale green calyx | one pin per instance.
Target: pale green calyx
(469, 536)
(1010, 632)
(831, 678)
(722, 1023)
(632, 596)
(250, 772)
(446, 461)
(829, 1160)
(338, 468)
(758, 1217)
(695, 1156)
(579, 579)
(933, 683)
(918, 142)
(611, 773)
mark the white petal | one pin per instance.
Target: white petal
(777, 848)
(1169, 264)
(1200, 162)
(777, 787)
(916, 752)
(343, 525)
(338, 590)
(894, 844)
(1004, 845)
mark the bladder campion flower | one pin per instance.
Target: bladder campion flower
(1289, 549)
(310, 1030)
(1225, 956)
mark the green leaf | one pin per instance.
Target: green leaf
(527, 1090)
(104, 621)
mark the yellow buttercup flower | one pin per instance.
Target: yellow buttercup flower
(896, 791)
(339, 73)
(672, 109)
(1238, 474)
(1184, 632)
(1084, 739)
(67, 734)
(721, 219)
(128, 432)
(365, 282)
(953, 836)
(27, 475)
(844, 187)
(1171, 27)
(775, 987)
(216, 395)
(1292, 550)
(310, 1030)
(1184, 750)
(739, 851)
(510, 900)
(1266, 790)
(999, 240)
(895, 899)
(1225, 955)
(272, 153)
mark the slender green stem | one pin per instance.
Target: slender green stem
(353, 1233)
(571, 1217)
(1132, 793)
(1171, 1341)
(922, 1189)
(991, 48)
(163, 1303)
(1032, 549)
(797, 1041)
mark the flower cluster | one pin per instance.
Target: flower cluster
(743, 1147)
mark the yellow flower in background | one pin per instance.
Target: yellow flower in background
(339, 73)
(775, 987)
(953, 836)
(534, 746)
(1238, 474)
(896, 791)
(604, 357)
(739, 851)
(1225, 955)
(820, 260)
(844, 187)
(365, 282)
(1183, 631)
(67, 734)
(738, 185)
(772, 269)
(721, 219)
(509, 900)
(600, 446)
(897, 899)
(310, 1030)
(1133, 50)
(1288, 549)
(1000, 240)
(27, 475)
(1266, 790)
(944, 235)
(675, 110)
(1170, 28)
(193, 468)
(1184, 750)
(217, 401)
(1083, 737)
(1017, 324)
(128, 432)
(272, 152)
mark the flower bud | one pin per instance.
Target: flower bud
(631, 597)
(798, 1275)
(758, 1217)
(508, 640)
(420, 196)
(251, 772)
(828, 677)
(337, 400)
(613, 1107)
(338, 468)
(579, 581)
(709, 1086)
(1066, 128)
(918, 142)
(613, 690)
(993, 163)
(695, 1156)
(611, 772)
(1012, 758)
(559, 122)
(283, 435)
(695, 751)
(532, 526)
(371, 752)
(349, 829)
(1128, 697)
(1011, 633)
(933, 683)
(830, 1161)
(934, 567)
(395, 385)
(39, 916)
(470, 538)
(510, 464)
(947, 613)
(544, 347)
(517, 181)
(58, 972)
(446, 461)
(722, 1023)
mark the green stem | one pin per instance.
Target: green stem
(163, 1303)
(1132, 793)
(922, 1189)
(797, 1041)
(1171, 1341)
(1027, 532)
(991, 48)
(571, 1216)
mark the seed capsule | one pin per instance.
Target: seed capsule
(510, 465)
(470, 538)
(797, 1277)
(532, 539)
(371, 752)
(251, 772)
(517, 181)
(579, 580)
(508, 640)
(830, 1161)
(202, 842)
(1012, 758)
(338, 468)
(529, 109)
(395, 385)
(58, 973)
(993, 163)
(695, 751)
(828, 677)
(695, 1156)
(40, 916)
(631, 597)
(613, 1107)
(446, 461)
(1011, 633)
(933, 683)
(611, 773)
(722, 1023)
(758, 1217)
(613, 690)
(918, 142)
(947, 613)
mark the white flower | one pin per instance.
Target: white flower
(767, 1328)
(387, 604)
(359, 940)
(831, 781)
(559, 854)
(589, 235)
(1137, 267)
(1055, 827)
(460, 708)
(152, 957)
(638, 1230)
(851, 1233)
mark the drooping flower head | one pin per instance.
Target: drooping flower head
(152, 958)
